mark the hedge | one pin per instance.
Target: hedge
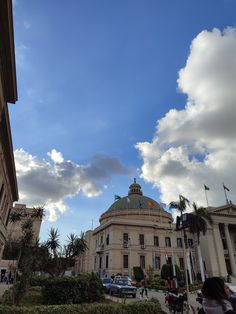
(144, 307)
(72, 290)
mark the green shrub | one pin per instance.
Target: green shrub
(167, 271)
(144, 307)
(138, 273)
(72, 290)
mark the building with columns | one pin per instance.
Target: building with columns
(218, 246)
(137, 231)
(8, 94)
(134, 231)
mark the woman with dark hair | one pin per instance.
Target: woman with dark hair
(215, 297)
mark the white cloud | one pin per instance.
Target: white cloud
(49, 183)
(196, 145)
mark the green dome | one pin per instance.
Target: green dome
(135, 200)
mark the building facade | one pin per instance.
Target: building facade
(14, 229)
(137, 231)
(134, 231)
(8, 94)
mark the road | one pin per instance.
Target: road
(157, 295)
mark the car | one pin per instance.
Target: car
(126, 277)
(106, 282)
(122, 287)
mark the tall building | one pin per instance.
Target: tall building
(8, 94)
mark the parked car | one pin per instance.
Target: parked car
(106, 282)
(126, 277)
(122, 287)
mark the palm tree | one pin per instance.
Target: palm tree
(38, 212)
(181, 205)
(199, 219)
(53, 243)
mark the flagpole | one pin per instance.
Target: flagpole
(227, 201)
(206, 197)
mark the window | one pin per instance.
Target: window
(95, 262)
(156, 241)
(179, 243)
(181, 263)
(101, 239)
(157, 264)
(107, 259)
(168, 241)
(141, 239)
(100, 262)
(169, 260)
(107, 240)
(125, 261)
(1, 193)
(125, 240)
(142, 261)
(224, 244)
(190, 242)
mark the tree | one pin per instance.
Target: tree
(23, 249)
(198, 222)
(180, 205)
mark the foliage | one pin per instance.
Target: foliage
(167, 271)
(85, 288)
(138, 273)
(180, 205)
(150, 273)
(145, 307)
(198, 220)
(57, 258)
(157, 283)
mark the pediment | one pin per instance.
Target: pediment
(225, 210)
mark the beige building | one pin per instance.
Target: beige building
(14, 229)
(137, 231)
(134, 231)
(218, 246)
(8, 94)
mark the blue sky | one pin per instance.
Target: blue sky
(112, 90)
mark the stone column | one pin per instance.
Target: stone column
(230, 250)
(219, 250)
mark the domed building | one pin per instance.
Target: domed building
(137, 231)
(134, 231)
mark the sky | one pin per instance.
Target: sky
(109, 91)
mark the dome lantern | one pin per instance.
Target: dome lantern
(135, 188)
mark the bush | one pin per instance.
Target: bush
(167, 271)
(72, 290)
(138, 273)
(145, 307)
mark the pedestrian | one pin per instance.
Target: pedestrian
(168, 284)
(215, 297)
(175, 284)
(144, 287)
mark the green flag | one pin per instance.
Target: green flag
(206, 188)
(117, 197)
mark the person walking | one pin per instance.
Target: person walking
(144, 287)
(215, 297)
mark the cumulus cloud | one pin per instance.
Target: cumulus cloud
(50, 182)
(196, 146)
